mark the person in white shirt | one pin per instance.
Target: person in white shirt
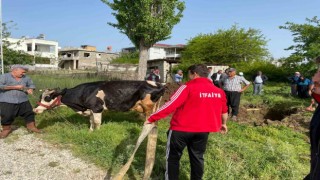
(258, 81)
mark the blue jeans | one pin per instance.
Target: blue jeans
(257, 88)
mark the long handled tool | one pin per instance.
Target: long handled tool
(152, 132)
(145, 131)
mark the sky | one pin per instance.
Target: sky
(84, 22)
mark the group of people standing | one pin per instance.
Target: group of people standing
(154, 75)
(300, 85)
(234, 85)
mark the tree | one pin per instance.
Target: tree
(146, 22)
(11, 56)
(306, 36)
(226, 47)
(15, 57)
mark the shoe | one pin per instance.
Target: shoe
(234, 118)
(31, 127)
(6, 130)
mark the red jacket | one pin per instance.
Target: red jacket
(197, 107)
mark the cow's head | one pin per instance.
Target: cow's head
(49, 99)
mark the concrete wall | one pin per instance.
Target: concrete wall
(82, 59)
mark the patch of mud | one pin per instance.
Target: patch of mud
(295, 118)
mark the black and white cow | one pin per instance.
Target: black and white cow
(92, 98)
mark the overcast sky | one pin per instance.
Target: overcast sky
(79, 22)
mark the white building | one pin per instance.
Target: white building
(165, 51)
(37, 47)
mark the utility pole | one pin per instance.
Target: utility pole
(1, 43)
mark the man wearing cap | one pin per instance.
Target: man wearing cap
(232, 85)
(14, 89)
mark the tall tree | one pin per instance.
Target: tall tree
(307, 39)
(226, 47)
(146, 22)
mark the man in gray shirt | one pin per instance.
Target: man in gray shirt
(232, 85)
(14, 89)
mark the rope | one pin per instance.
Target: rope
(145, 131)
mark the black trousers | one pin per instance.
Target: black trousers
(196, 144)
(315, 146)
(10, 111)
(233, 101)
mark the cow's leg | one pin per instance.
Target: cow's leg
(147, 105)
(91, 122)
(97, 119)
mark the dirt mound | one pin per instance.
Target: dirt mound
(170, 89)
(295, 118)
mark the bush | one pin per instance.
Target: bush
(127, 58)
(273, 73)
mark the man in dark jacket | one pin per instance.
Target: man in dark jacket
(315, 132)
(294, 81)
(216, 77)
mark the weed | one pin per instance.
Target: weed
(53, 164)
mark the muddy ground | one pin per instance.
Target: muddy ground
(261, 115)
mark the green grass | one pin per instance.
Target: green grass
(246, 152)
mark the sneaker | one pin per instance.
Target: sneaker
(234, 118)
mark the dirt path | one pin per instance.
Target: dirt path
(23, 156)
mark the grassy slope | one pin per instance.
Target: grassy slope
(244, 153)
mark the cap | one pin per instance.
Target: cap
(20, 66)
(232, 69)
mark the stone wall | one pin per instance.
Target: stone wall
(110, 71)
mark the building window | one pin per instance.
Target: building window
(86, 54)
(29, 47)
(52, 49)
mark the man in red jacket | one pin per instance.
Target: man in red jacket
(199, 108)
